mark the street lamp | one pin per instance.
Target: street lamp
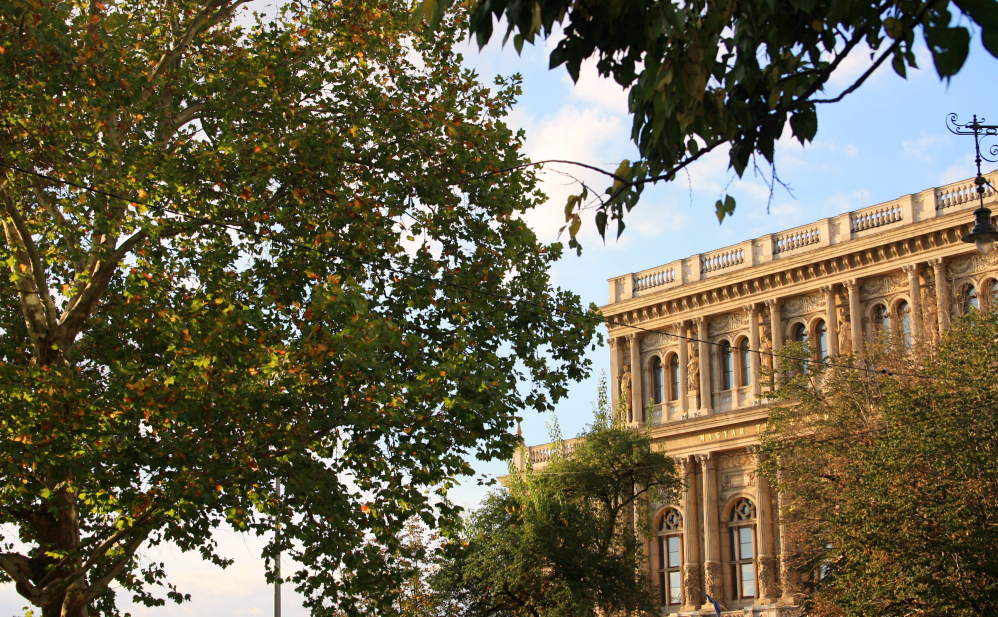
(984, 232)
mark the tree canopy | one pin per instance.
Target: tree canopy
(565, 540)
(890, 480)
(240, 250)
(704, 75)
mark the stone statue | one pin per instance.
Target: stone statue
(693, 372)
(625, 389)
(766, 349)
(845, 339)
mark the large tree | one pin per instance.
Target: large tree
(709, 74)
(241, 250)
(563, 541)
(890, 478)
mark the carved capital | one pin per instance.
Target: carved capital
(752, 307)
(825, 289)
(935, 262)
(852, 285)
(773, 303)
(707, 460)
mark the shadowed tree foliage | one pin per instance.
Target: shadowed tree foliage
(891, 481)
(705, 75)
(562, 541)
(294, 266)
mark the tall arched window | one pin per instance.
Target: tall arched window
(658, 380)
(994, 296)
(745, 361)
(674, 377)
(742, 526)
(904, 319)
(670, 558)
(970, 300)
(821, 338)
(727, 366)
(799, 334)
(881, 318)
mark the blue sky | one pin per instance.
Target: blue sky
(886, 140)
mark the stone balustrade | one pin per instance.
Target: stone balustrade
(962, 193)
(721, 260)
(876, 216)
(665, 275)
(797, 239)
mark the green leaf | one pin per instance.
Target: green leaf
(724, 208)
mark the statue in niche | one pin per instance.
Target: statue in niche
(693, 372)
(625, 389)
(766, 349)
(845, 339)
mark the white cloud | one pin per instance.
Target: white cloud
(591, 88)
(921, 148)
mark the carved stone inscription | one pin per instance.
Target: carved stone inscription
(801, 305)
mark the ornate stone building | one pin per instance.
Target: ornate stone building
(899, 264)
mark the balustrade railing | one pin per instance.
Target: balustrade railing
(796, 239)
(874, 217)
(960, 194)
(543, 453)
(722, 260)
(654, 278)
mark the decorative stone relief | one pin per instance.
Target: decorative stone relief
(727, 323)
(801, 305)
(767, 579)
(735, 460)
(691, 584)
(972, 264)
(657, 340)
(713, 580)
(883, 286)
(737, 480)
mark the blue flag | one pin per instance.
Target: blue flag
(717, 607)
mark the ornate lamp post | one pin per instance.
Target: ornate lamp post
(984, 232)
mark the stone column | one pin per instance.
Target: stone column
(942, 293)
(637, 375)
(776, 328)
(713, 583)
(691, 536)
(789, 578)
(831, 321)
(616, 366)
(855, 316)
(705, 393)
(753, 337)
(768, 588)
(915, 306)
(684, 359)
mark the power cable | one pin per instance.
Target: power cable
(507, 298)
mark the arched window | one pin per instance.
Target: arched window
(970, 300)
(994, 296)
(658, 380)
(727, 366)
(881, 318)
(745, 360)
(670, 558)
(742, 526)
(799, 334)
(821, 337)
(674, 378)
(904, 318)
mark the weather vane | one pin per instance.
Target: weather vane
(984, 232)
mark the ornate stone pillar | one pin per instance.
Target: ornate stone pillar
(705, 393)
(831, 321)
(637, 374)
(942, 293)
(616, 366)
(753, 337)
(855, 316)
(766, 562)
(789, 578)
(692, 590)
(915, 290)
(684, 359)
(776, 329)
(713, 583)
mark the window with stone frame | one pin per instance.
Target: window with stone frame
(992, 290)
(670, 558)
(903, 311)
(674, 386)
(880, 317)
(727, 366)
(658, 380)
(821, 339)
(969, 300)
(744, 363)
(741, 526)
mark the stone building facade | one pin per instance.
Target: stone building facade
(899, 264)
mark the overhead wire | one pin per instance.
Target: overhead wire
(474, 290)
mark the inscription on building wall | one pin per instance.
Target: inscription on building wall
(731, 433)
(973, 263)
(657, 340)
